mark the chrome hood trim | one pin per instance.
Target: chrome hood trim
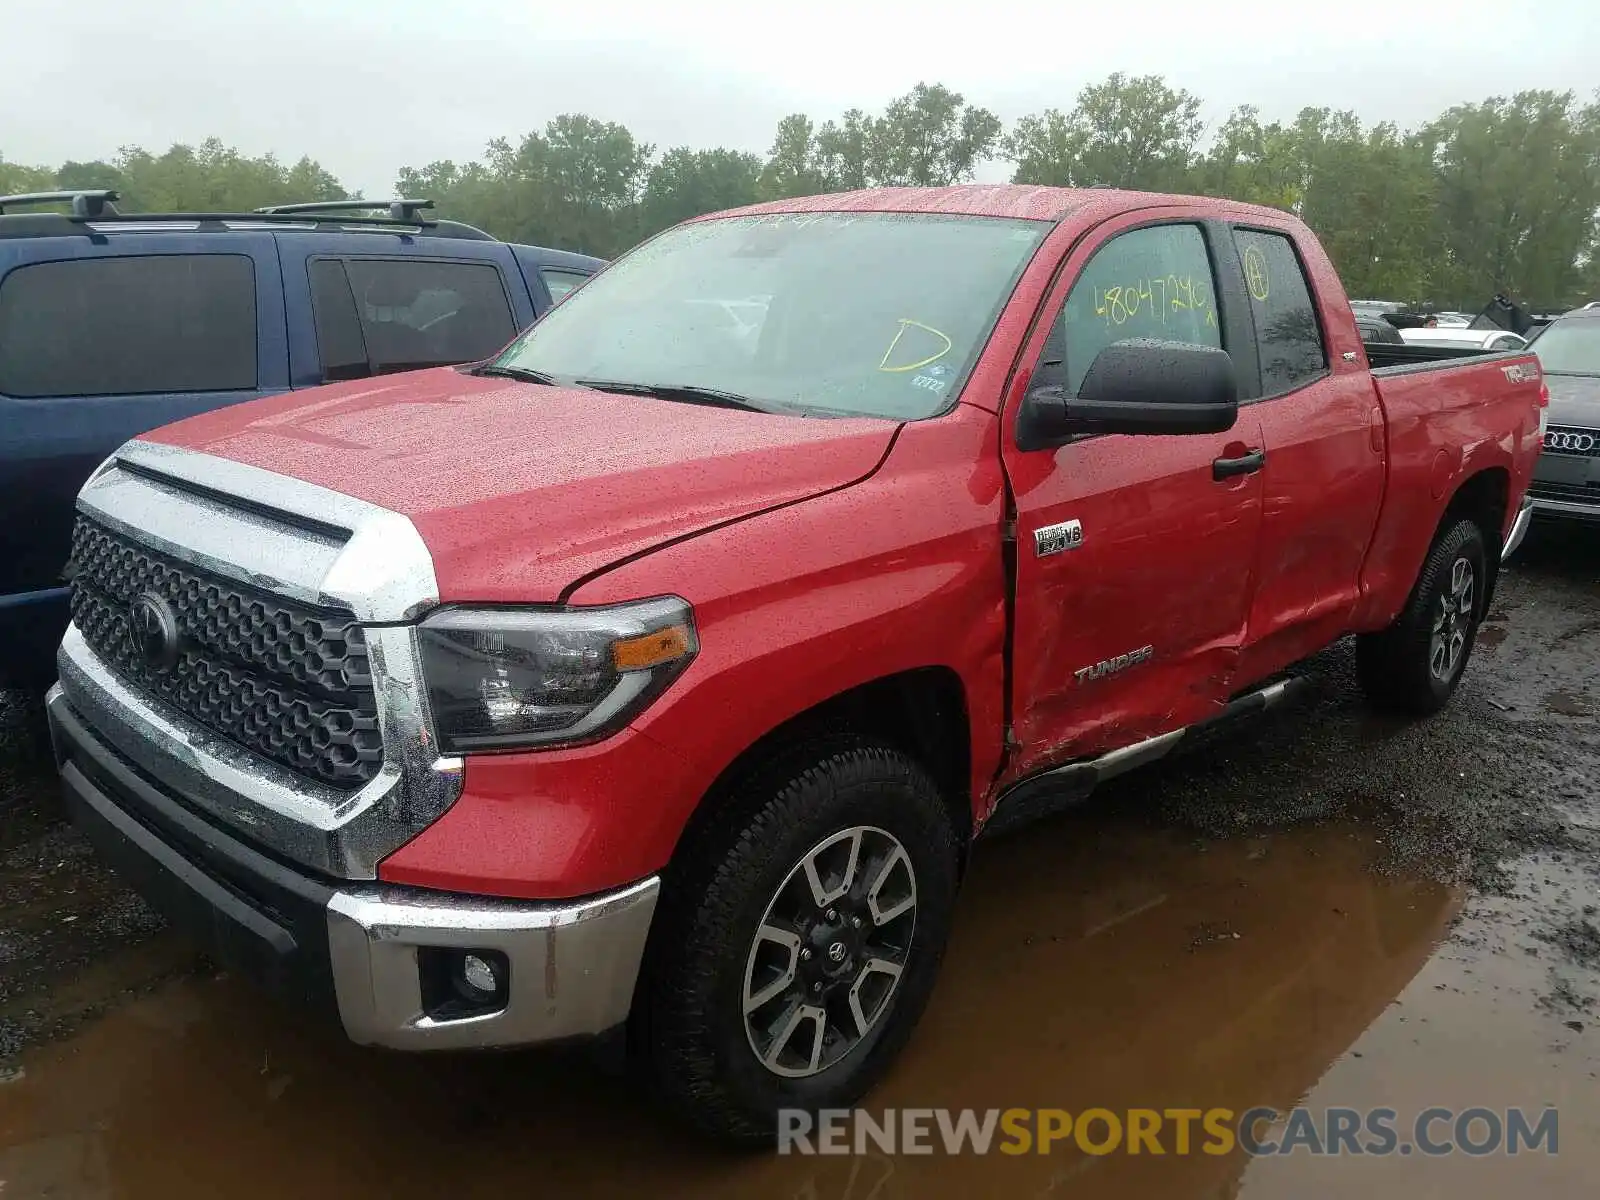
(298, 539)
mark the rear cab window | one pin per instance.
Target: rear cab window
(1154, 282)
(560, 282)
(129, 325)
(377, 316)
(1288, 332)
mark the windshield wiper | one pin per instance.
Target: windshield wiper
(686, 392)
(520, 373)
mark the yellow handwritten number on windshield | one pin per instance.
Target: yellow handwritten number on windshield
(1155, 297)
(908, 323)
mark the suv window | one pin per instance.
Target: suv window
(378, 316)
(560, 282)
(1154, 282)
(1280, 304)
(129, 325)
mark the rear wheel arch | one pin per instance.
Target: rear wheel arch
(1483, 498)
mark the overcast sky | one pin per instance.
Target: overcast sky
(366, 87)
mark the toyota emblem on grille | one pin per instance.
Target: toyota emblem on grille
(153, 629)
(1579, 443)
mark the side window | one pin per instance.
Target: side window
(560, 282)
(122, 326)
(340, 346)
(1292, 353)
(408, 313)
(1154, 282)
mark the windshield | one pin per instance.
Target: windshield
(1569, 347)
(881, 314)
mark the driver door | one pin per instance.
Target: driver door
(1134, 554)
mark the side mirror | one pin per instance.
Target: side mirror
(1136, 386)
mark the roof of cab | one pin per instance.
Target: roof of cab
(1015, 200)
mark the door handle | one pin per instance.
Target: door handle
(1247, 464)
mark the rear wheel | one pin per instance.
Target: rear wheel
(1416, 664)
(800, 940)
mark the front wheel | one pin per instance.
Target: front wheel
(800, 940)
(1415, 665)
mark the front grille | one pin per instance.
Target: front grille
(1572, 441)
(1574, 493)
(285, 680)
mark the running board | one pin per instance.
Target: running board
(1062, 787)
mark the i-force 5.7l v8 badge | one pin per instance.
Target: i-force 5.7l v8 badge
(1053, 539)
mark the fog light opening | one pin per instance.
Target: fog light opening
(479, 975)
(461, 983)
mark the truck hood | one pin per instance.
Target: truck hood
(1574, 400)
(520, 490)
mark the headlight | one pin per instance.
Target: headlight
(501, 679)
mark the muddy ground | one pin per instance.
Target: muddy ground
(1327, 907)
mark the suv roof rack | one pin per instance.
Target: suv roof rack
(93, 213)
(86, 202)
(399, 210)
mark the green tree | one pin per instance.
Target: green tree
(210, 177)
(215, 177)
(686, 183)
(88, 176)
(1124, 132)
(844, 150)
(16, 179)
(1518, 185)
(574, 186)
(1369, 194)
(793, 163)
(1252, 162)
(928, 137)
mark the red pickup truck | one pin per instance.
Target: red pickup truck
(657, 675)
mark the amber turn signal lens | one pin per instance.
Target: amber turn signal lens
(651, 649)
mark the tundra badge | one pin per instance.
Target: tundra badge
(1110, 666)
(1053, 539)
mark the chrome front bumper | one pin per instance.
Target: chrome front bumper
(572, 966)
(354, 949)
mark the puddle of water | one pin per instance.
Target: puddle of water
(1482, 1024)
(1565, 704)
(1490, 636)
(1097, 962)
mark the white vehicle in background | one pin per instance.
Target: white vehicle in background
(1490, 340)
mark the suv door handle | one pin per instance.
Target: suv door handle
(1248, 464)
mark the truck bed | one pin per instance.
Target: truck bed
(1446, 416)
(1392, 358)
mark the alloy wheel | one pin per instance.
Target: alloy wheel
(1452, 622)
(829, 951)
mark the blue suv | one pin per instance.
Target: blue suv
(114, 323)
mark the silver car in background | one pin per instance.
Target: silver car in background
(1490, 340)
(1567, 480)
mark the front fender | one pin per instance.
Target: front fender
(901, 571)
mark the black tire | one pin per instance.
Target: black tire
(691, 1025)
(1400, 667)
